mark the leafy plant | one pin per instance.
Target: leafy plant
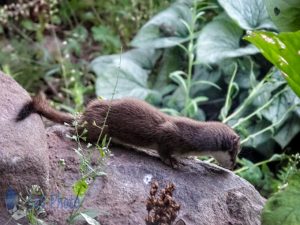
(132, 72)
(283, 51)
(248, 16)
(104, 35)
(63, 35)
(30, 206)
(223, 44)
(122, 17)
(282, 208)
(285, 14)
(266, 181)
(260, 175)
(88, 172)
(163, 30)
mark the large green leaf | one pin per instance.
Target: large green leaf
(127, 72)
(283, 50)
(289, 129)
(249, 15)
(283, 207)
(172, 60)
(260, 176)
(262, 143)
(290, 126)
(280, 104)
(220, 39)
(285, 14)
(165, 29)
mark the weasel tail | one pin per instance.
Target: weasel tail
(39, 105)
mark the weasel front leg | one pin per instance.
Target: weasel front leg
(165, 156)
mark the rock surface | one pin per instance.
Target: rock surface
(24, 157)
(208, 195)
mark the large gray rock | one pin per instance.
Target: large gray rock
(208, 195)
(24, 157)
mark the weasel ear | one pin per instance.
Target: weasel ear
(236, 139)
(236, 145)
(180, 222)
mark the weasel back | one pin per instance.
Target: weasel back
(39, 105)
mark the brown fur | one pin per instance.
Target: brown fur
(135, 122)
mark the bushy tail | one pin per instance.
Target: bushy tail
(39, 104)
(27, 109)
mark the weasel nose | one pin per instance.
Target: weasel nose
(232, 166)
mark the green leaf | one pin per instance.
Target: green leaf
(89, 219)
(170, 111)
(283, 207)
(172, 59)
(128, 72)
(176, 77)
(105, 35)
(176, 100)
(80, 188)
(262, 143)
(289, 129)
(80, 33)
(253, 174)
(249, 15)
(219, 40)
(40, 222)
(92, 213)
(283, 50)
(29, 25)
(204, 79)
(165, 29)
(285, 14)
(279, 105)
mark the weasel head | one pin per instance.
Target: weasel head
(230, 148)
(222, 142)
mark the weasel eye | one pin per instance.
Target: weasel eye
(226, 145)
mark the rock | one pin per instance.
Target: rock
(24, 157)
(208, 195)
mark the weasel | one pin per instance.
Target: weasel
(135, 122)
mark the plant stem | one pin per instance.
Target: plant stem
(248, 99)
(228, 95)
(190, 52)
(271, 126)
(61, 63)
(112, 97)
(242, 120)
(244, 168)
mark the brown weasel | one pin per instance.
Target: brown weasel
(135, 122)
